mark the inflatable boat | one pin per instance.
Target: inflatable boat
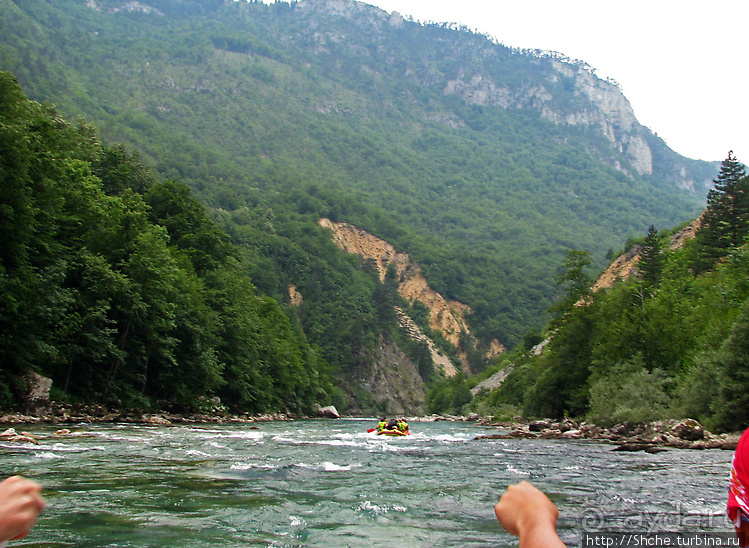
(393, 433)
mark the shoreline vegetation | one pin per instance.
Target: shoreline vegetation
(652, 437)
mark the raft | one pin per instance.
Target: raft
(393, 433)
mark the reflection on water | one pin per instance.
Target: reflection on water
(330, 483)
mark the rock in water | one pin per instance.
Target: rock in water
(329, 412)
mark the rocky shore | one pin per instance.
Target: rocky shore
(65, 414)
(653, 437)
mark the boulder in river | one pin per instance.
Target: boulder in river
(329, 412)
(11, 435)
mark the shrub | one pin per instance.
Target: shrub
(629, 393)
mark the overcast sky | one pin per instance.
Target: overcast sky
(683, 65)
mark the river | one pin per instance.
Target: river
(332, 484)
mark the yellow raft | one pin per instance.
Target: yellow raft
(393, 433)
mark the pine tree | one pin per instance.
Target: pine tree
(725, 224)
(651, 264)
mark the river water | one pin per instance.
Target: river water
(332, 484)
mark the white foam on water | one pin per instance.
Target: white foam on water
(368, 506)
(507, 449)
(62, 448)
(296, 521)
(219, 446)
(511, 468)
(47, 455)
(384, 447)
(196, 453)
(245, 434)
(337, 443)
(449, 437)
(284, 439)
(251, 466)
(326, 467)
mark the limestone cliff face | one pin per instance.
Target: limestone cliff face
(610, 111)
(447, 317)
(606, 107)
(126, 7)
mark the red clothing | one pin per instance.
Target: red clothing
(738, 494)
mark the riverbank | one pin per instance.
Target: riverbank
(651, 437)
(66, 414)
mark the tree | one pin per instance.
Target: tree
(732, 361)
(651, 264)
(120, 170)
(725, 223)
(576, 279)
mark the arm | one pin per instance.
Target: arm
(20, 504)
(526, 512)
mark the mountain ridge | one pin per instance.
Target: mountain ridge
(611, 110)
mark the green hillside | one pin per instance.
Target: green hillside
(668, 342)
(278, 115)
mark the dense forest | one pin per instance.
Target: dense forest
(668, 342)
(274, 114)
(119, 287)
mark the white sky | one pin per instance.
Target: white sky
(683, 65)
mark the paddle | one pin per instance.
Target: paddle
(371, 430)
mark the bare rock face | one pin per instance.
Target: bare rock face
(39, 388)
(626, 264)
(493, 382)
(390, 381)
(609, 110)
(344, 8)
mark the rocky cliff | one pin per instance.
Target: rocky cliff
(621, 268)
(386, 381)
(601, 106)
(447, 317)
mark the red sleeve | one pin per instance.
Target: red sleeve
(738, 493)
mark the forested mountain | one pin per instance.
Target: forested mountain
(483, 163)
